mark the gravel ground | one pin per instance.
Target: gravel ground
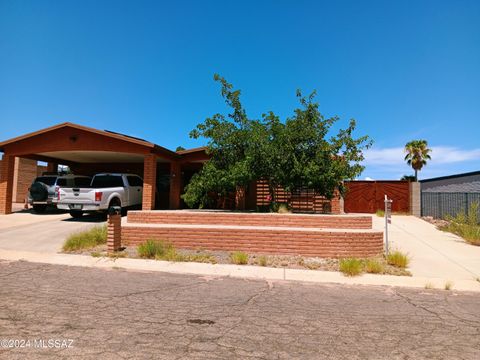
(275, 261)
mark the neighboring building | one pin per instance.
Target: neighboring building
(450, 195)
(460, 183)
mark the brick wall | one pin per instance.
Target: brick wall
(25, 172)
(250, 219)
(333, 244)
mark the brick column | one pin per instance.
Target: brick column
(175, 185)
(337, 203)
(149, 181)
(114, 233)
(52, 167)
(6, 184)
(240, 198)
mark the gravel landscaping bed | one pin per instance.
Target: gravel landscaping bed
(268, 260)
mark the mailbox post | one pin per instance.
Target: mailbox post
(388, 219)
(114, 229)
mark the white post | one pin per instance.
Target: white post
(388, 220)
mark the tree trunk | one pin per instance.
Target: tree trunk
(416, 177)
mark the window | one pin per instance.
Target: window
(134, 181)
(47, 180)
(61, 182)
(82, 182)
(105, 181)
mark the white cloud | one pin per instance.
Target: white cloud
(440, 155)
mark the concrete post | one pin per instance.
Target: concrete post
(149, 181)
(6, 184)
(415, 199)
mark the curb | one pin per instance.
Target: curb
(238, 271)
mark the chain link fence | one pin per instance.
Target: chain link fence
(439, 205)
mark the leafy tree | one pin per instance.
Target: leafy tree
(179, 148)
(417, 155)
(292, 154)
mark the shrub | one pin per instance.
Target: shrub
(239, 258)
(448, 285)
(202, 258)
(380, 213)
(398, 259)
(465, 226)
(351, 266)
(86, 239)
(373, 266)
(151, 249)
(262, 260)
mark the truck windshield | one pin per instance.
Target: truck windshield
(47, 180)
(105, 181)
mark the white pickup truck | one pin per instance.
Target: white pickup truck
(105, 191)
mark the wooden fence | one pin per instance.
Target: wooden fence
(368, 196)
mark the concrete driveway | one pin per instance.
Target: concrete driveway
(27, 231)
(433, 253)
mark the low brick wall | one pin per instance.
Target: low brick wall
(322, 243)
(251, 219)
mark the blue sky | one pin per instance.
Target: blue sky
(402, 69)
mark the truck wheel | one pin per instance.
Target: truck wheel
(39, 208)
(76, 214)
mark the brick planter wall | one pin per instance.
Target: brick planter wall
(322, 243)
(250, 219)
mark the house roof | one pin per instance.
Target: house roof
(467, 187)
(110, 134)
(473, 173)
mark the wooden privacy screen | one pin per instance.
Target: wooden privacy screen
(301, 200)
(368, 196)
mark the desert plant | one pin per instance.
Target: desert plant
(351, 266)
(86, 239)
(283, 209)
(429, 285)
(380, 213)
(239, 258)
(374, 266)
(398, 259)
(262, 260)
(202, 258)
(465, 226)
(448, 285)
(151, 249)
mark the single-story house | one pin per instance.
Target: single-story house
(88, 151)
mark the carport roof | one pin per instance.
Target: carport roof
(154, 148)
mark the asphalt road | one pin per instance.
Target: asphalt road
(118, 314)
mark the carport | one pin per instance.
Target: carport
(88, 151)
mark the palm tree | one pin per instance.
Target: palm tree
(417, 154)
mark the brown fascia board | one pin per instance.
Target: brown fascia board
(76, 126)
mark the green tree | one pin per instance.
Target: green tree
(300, 152)
(417, 155)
